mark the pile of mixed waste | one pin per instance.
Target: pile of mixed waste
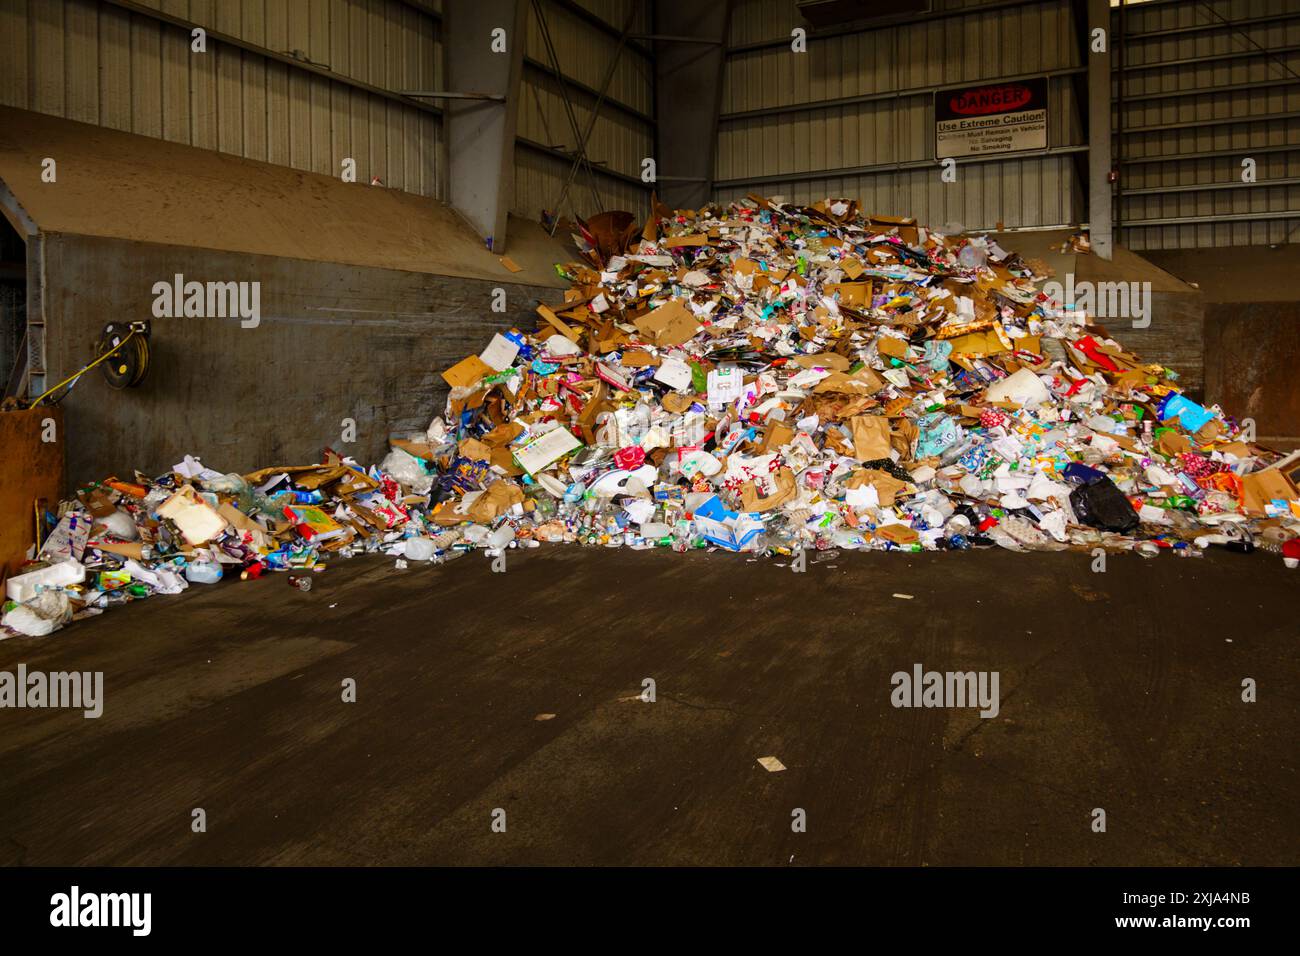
(761, 378)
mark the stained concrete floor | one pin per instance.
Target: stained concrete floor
(1119, 690)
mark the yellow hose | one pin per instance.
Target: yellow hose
(77, 375)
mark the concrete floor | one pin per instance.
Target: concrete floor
(1119, 690)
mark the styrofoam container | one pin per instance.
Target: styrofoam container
(22, 587)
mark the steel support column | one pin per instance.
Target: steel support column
(688, 94)
(481, 133)
(1099, 158)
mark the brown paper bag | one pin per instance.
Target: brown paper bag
(870, 437)
(786, 490)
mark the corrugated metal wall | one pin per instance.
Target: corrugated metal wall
(865, 99)
(624, 132)
(97, 62)
(1199, 96)
(102, 62)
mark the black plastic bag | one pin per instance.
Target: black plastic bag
(1102, 505)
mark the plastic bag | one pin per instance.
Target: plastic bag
(1102, 505)
(43, 614)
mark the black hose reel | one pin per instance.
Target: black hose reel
(129, 344)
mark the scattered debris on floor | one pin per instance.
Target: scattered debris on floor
(763, 378)
(771, 764)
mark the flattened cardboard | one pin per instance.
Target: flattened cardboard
(977, 344)
(638, 358)
(1262, 487)
(864, 382)
(673, 323)
(554, 321)
(830, 360)
(416, 449)
(467, 372)
(676, 403)
(856, 295)
(891, 346)
(125, 549)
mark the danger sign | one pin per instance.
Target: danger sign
(998, 118)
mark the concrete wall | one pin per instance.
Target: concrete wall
(1252, 332)
(1175, 338)
(334, 342)
(1253, 366)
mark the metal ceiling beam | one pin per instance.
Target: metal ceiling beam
(598, 166)
(1213, 58)
(600, 23)
(1140, 99)
(891, 94)
(1210, 27)
(1219, 121)
(1210, 187)
(886, 23)
(585, 137)
(1230, 217)
(895, 167)
(1210, 154)
(425, 7)
(622, 107)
